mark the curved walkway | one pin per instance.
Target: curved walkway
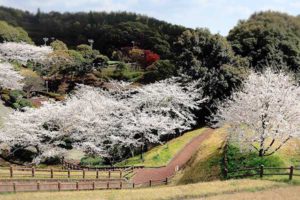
(147, 174)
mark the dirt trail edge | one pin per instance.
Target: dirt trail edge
(147, 174)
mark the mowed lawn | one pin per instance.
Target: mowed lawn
(192, 191)
(162, 154)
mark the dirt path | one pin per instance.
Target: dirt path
(147, 174)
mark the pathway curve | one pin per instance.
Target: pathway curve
(146, 174)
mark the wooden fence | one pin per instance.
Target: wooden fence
(75, 186)
(262, 171)
(67, 165)
(33, 173)
(63, 186)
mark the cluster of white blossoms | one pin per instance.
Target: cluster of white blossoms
(9, 78)
(265, 114)
(23, 52)
(97, 120)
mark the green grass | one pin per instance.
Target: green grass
(127, 74)
(161, 155)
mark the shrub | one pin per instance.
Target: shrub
(159, 70)
(58, 45)
(91, 161)
(236, 159)
(15, 98)
(11, 34)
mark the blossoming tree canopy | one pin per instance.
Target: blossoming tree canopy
(23, 52)
(98, 121)
(265, 114)
(9, 78)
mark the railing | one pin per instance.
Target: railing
(62, 186)
(262, 171)
(33, 173)
(67, 165)
(14, 179)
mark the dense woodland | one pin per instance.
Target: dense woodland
(110, 31)
(53, 53)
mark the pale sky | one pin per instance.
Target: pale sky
(217, 15)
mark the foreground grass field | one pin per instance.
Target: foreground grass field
(161, 155)
(285, 193)
(192, 191)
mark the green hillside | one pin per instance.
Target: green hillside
(161, 155)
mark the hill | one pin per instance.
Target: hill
(110, 31)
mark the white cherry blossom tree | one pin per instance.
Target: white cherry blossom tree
(9, 78)
(100, 121)
(265, 114)
(23, 52)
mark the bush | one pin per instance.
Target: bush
(11, 34)
(15, 98)
(58, 45)
(239, 160)
(159, 70)
(91, 161)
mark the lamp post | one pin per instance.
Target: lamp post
(91, 41)
(45, 40)
(133, 43)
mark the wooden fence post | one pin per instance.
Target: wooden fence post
(14, 187)
(11, 171)
(32, 172)
(121, 185)
(83, 173)
(150, 183)
(291, 173)
(167, 181)
(225, 173)
(261, 171)
(51, 173)
(94, 187)
(109, 174)
(77, 185)
(120, 173)
(58, 186)
(97, 174)
(38, 186)
(107, 186)
(69, 173)
(133, 185)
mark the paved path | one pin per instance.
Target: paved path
(147, 174)
(4, 111)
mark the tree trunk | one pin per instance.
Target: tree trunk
(261, 153)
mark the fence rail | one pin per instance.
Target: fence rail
(63, 186)
(262, 171)
(67, 165)
(30, 179)
(33, 173)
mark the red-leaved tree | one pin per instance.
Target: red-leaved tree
(151, 57)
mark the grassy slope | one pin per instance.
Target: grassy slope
(205, 164)
(165, 192)
(161, 155)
